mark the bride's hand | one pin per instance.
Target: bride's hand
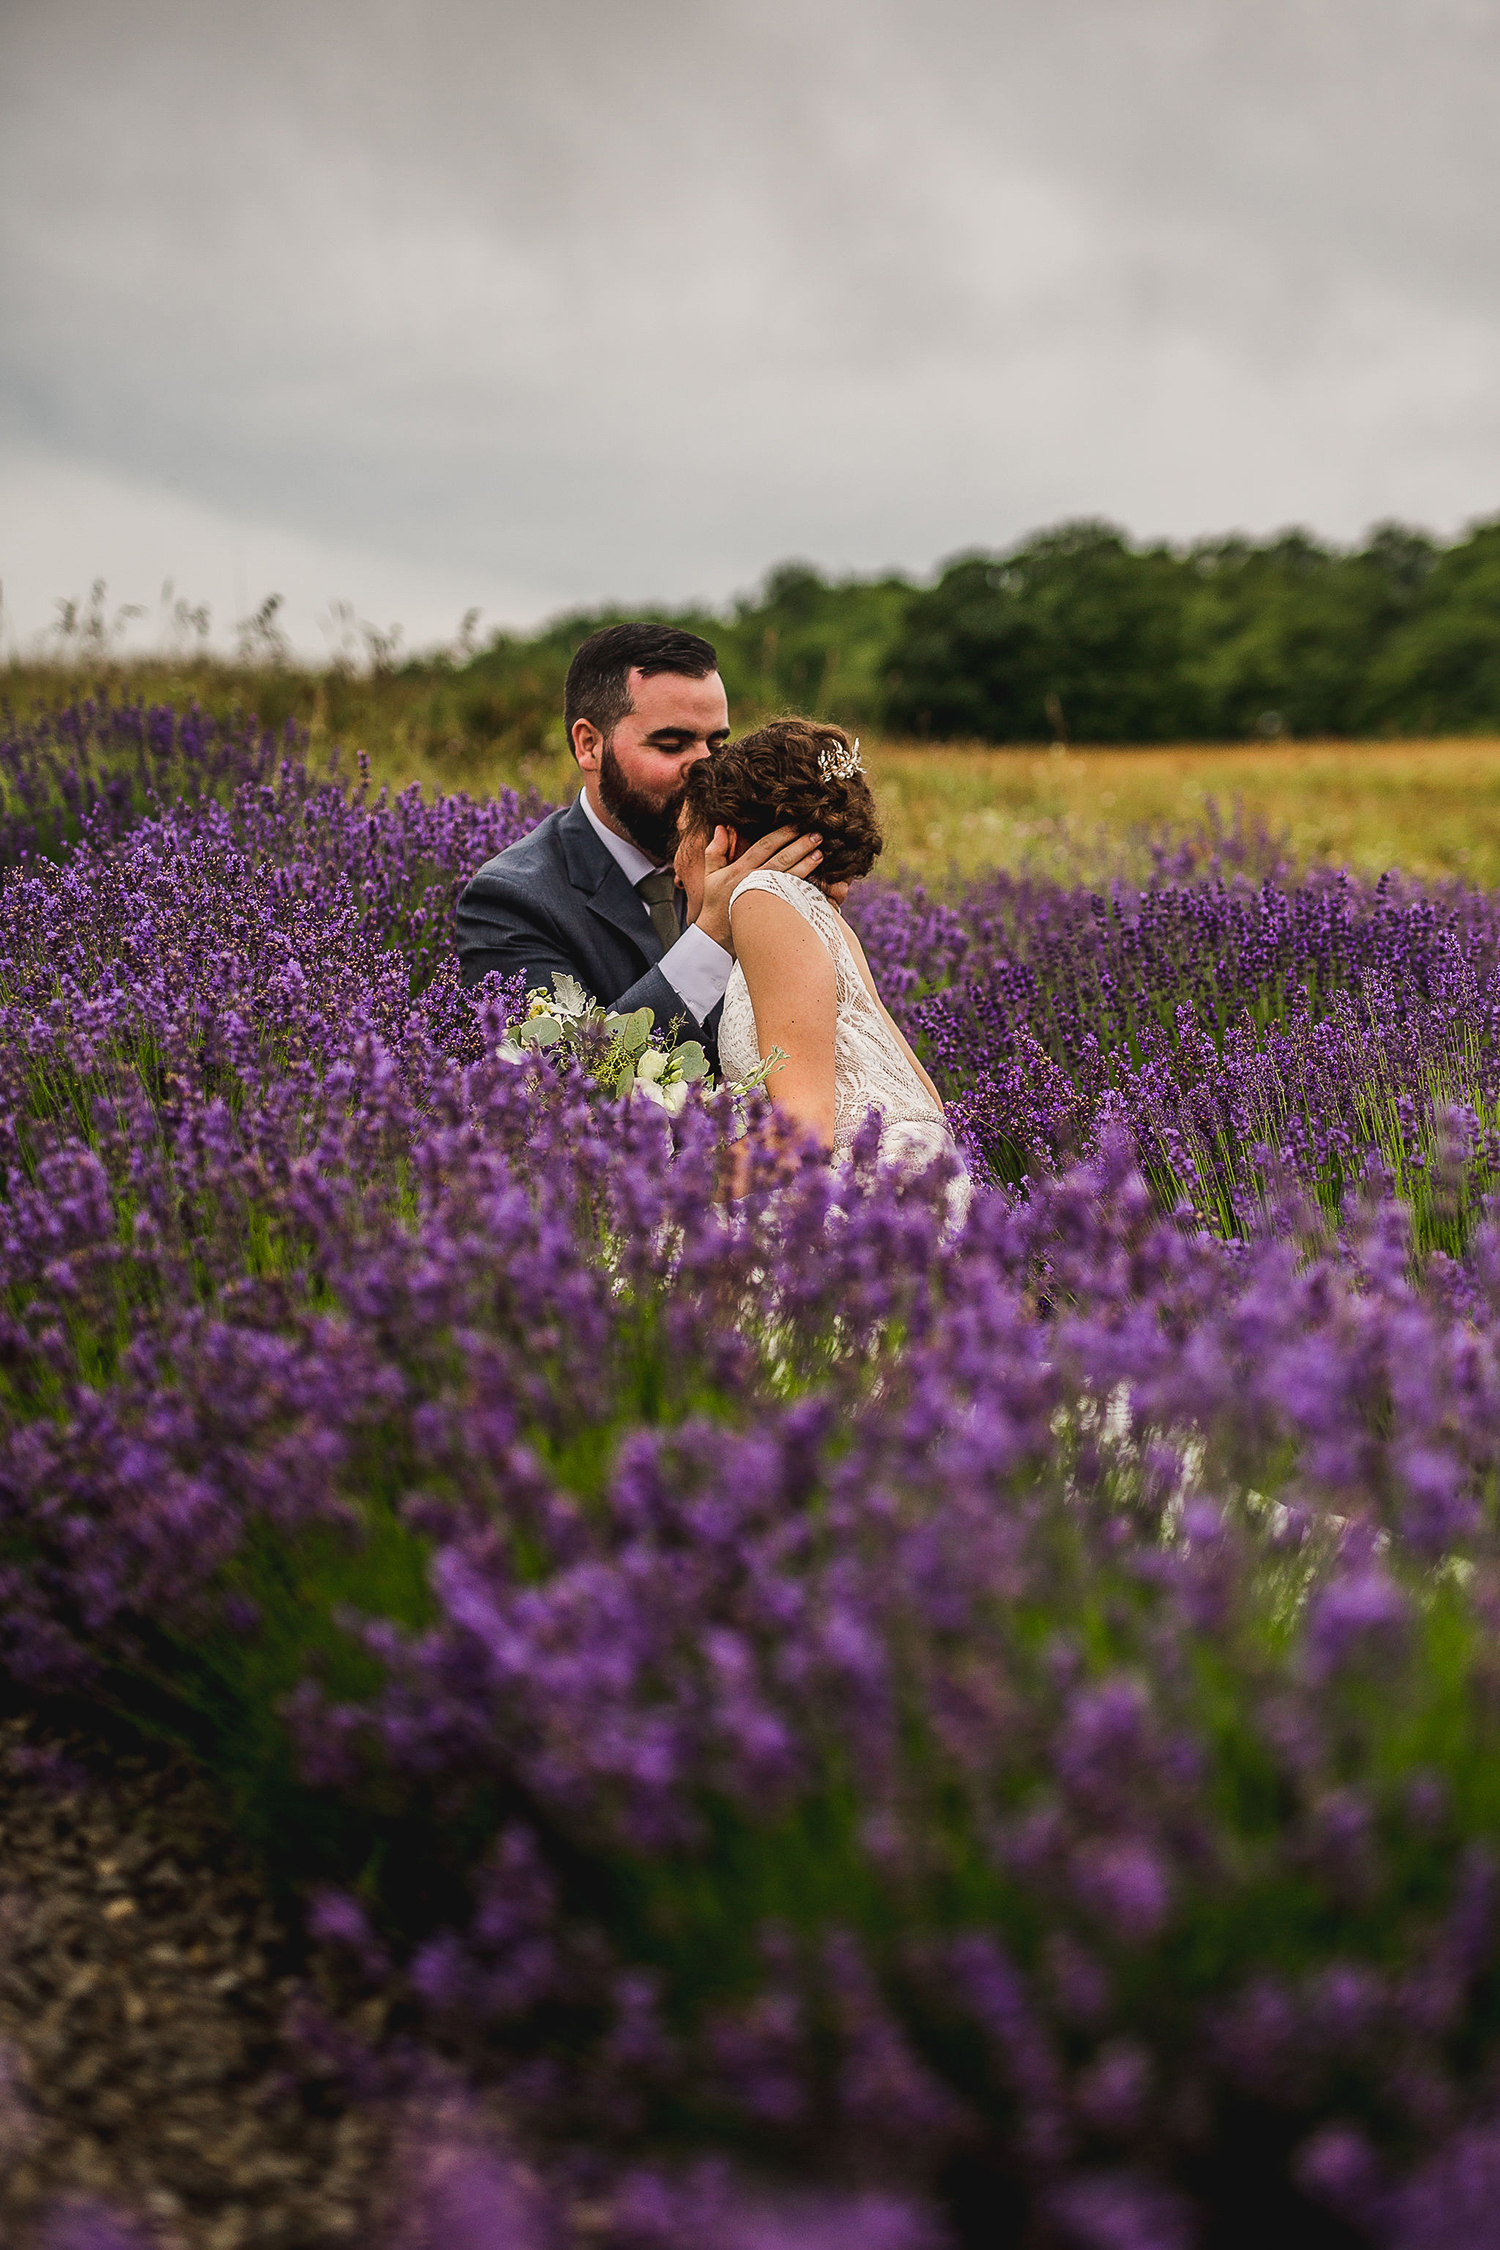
(784, 851)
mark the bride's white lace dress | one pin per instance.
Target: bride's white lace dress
(870, 1069)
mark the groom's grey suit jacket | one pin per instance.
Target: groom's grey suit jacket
(557, 900)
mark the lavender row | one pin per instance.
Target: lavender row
(1229, 1025)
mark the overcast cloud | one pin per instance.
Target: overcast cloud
(442, 304)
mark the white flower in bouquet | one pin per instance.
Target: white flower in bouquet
(655, 1080)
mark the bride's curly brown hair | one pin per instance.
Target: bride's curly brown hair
(773, 778)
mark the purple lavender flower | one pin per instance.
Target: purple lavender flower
(1338, 2168)
(1123, 1881)
(1453, 2197)
(454, 2190)
(1115, 2211)
(1360, 1614)
(712, 2204)
(79, 2223)
(335, 1919)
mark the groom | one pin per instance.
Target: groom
(591, 890)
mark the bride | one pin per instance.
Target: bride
(800, 980)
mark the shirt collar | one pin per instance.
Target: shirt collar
(629, 857)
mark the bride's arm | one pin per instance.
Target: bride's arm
(792, 992)
(863, 967)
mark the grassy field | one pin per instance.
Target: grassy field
(1430, 807)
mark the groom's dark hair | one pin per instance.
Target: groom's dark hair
(598, 686)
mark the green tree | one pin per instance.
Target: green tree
(1440, 672)
(809, 644)
(1071, 633)
(1281, 637)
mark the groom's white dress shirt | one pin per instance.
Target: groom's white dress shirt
(696, 967)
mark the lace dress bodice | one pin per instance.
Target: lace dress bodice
(870, 1068)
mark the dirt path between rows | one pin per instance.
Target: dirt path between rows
(145, 1997)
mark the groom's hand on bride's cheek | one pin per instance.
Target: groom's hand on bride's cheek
(803, 858)
(718, 889)
(783, 850)
(800, 857)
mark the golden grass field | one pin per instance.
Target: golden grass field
(1432, 808)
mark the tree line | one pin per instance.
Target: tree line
(1074, 634)
(1078, 634)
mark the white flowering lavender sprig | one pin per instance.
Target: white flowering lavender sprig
(739, 1090)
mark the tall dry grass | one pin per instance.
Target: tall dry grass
(1430, 807)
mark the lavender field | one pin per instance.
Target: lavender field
(872, 1735)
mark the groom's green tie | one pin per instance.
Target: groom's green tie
(659, 890)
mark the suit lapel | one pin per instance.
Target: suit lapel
(602, 880)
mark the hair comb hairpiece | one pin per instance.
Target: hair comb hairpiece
(840, 761)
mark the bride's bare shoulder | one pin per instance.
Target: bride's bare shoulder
(772, 935)
(758, 907)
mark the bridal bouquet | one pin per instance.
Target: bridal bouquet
(624, 1055)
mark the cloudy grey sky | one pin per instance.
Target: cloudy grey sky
(444, 303)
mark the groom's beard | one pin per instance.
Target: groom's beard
(652, 827)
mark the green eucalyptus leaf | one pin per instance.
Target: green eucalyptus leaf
(690, 1061)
